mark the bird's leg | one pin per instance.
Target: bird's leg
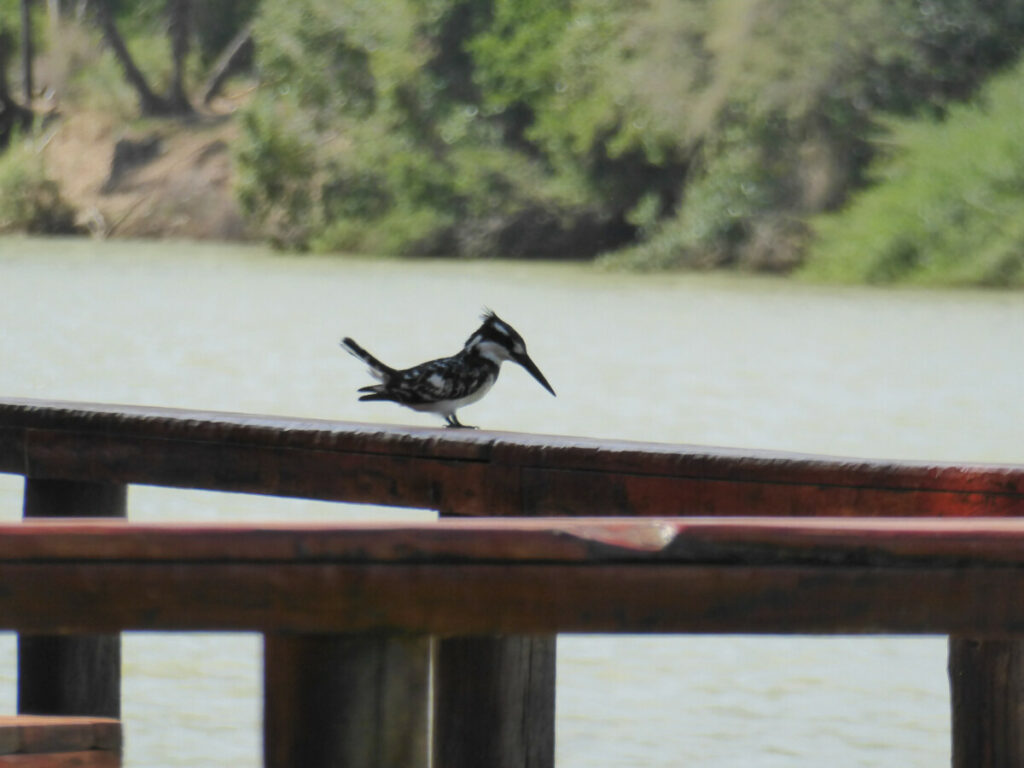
(452, 421)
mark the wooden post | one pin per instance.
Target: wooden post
(357, 701)
(987, 694)
(71, 675)
(494, 702)
(494, 696)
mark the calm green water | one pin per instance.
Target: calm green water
(692, 359)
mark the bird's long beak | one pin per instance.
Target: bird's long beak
(525, 361)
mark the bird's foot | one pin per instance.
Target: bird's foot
(453, 423)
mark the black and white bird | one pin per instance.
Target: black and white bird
(443, 386)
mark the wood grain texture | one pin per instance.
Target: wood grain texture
(359, 701)
(87, 759)
(525, 599)
(836, 542)
(69, 674)
(986, 676)
(35, 734)
(494, 702)
(467, 577)
(475, 472)
(62, 674)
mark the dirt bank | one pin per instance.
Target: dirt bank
(155, 179)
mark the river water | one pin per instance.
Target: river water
(708, 360)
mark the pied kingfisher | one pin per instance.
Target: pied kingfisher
(445, 385)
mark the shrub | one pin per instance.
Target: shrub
(30, 201)
(947, 204)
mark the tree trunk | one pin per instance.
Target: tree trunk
(149, 102)
(178, 13)
(231, 59)
(26, 52)
(12, 114)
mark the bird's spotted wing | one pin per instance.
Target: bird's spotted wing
(436, 381)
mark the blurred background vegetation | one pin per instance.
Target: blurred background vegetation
(852, 140)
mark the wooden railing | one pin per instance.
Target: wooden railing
(356, 616)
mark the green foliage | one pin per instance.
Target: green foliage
(515, 58)
(86, 74)
(706, 133)
(276, 166)
(10, 20)
(392, 158)
(30, 200)
(738, 185)
(948, 202)
(798, 89)
(93, 78)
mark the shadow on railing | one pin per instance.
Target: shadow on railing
(354, 691)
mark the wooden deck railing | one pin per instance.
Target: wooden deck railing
(356, 616)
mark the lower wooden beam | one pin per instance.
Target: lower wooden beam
(358, 701)
(494, 702)
(88, 759)
(986, 678)
(42, 734)
(31, 741)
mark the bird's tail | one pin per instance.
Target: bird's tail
(378, 370)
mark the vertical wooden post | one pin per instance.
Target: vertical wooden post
(494, 696)
(352, 701)
(72, 674)
(986, 679)
(494, 702)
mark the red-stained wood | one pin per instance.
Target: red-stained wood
(474, 472)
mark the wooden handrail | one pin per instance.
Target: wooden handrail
(469, 472)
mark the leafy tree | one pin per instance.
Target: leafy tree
(706, 133)
(221, 22)
(947, 200)
(151, 103)
(793, 92)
